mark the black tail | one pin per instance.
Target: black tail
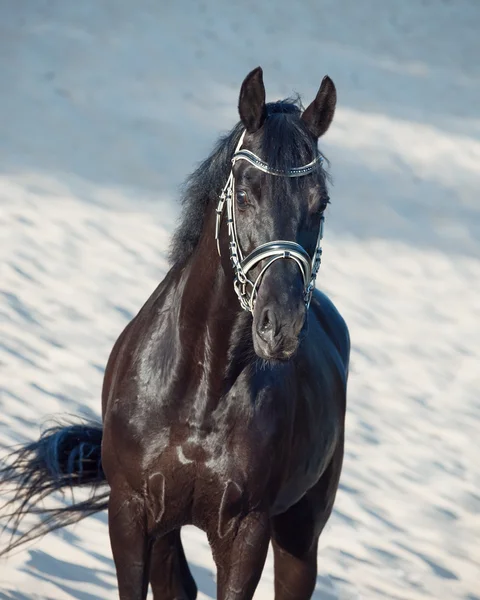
(65, 457)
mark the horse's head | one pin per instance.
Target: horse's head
(275, 198)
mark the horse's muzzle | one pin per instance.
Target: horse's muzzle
(278, 332)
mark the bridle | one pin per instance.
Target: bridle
(271, 251)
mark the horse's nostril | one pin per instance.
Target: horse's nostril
(266, 321)
(267, 325)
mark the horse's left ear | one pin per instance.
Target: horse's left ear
(319, 115)
(251, 104)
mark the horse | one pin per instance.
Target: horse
(224, 399)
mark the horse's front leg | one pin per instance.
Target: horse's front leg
(295, 535)
(240, 556)
(130, 543)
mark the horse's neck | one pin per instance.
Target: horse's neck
(212, 323)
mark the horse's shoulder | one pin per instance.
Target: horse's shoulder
(332, 323)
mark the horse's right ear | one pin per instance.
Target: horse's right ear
(251, 104)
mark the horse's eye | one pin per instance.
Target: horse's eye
(242, 198)
(324, 203)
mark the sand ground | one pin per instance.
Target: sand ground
(105, 107)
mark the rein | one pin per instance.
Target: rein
(246, 289)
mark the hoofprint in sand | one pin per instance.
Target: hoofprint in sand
(95, 136)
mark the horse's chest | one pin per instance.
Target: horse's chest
(311, 448)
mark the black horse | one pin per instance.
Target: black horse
(224, 398)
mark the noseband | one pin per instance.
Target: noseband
(271, 251)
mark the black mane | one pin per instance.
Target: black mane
(285, 143)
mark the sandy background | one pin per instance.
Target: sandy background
(106, 106)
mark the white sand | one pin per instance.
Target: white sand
(106, 106)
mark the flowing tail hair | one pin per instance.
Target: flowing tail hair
(65, 457)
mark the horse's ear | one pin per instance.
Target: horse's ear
(251, 104)
(319, 115)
